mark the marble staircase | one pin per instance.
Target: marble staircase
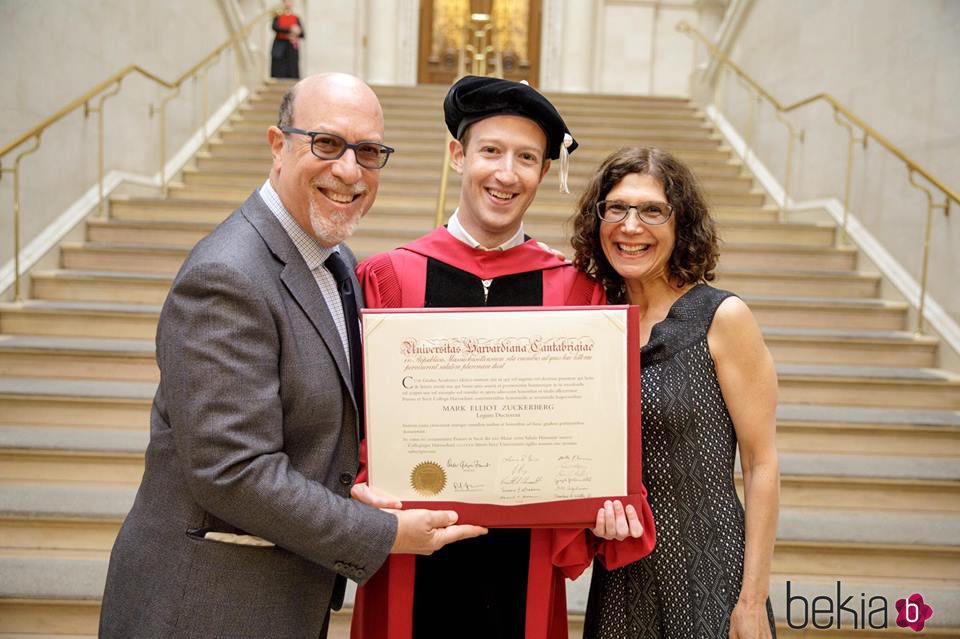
(868, 423)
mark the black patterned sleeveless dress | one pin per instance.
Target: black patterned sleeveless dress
(688, 586)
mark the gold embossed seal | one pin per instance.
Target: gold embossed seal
(428, 478)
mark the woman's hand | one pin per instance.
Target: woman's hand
(557, 254)
(749, 621)
(616, 522)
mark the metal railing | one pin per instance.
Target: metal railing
(847, 119)
(102, 92)
(480, 41)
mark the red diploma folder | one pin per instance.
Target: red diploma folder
(568, 513)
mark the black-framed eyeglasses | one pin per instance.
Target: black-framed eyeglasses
(327, 146)
(653, 213)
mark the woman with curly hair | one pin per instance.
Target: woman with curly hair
(708, 386)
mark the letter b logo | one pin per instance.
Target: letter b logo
(912, 612)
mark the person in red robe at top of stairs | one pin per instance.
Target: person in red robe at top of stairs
(285, 52)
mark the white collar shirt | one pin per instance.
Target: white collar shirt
(314, 255)
(456, 230)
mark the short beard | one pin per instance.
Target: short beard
(332, 227)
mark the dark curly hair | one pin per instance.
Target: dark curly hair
(695, 252)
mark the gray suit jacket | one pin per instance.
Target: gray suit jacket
(253, 430)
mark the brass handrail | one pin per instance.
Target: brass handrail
(481, 29)
(123, 73)
(867, 132)
(84, 101)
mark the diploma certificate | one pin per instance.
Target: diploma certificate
(502, 408)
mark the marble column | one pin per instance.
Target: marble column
(577, 46)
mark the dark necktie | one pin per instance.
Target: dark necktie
(351, 317)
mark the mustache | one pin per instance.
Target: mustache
(334, 184)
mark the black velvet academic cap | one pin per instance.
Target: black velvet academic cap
(474, 98)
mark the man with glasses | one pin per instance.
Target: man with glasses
(243, 525)
(508, 584)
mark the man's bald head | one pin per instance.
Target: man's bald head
(326, 195)
(330, 87)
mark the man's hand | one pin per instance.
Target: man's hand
(615, 522)
(364, 494)
(421, 532)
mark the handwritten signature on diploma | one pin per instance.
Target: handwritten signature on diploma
(466, 487)
(518, 473)
(467, 465)
(573, 469)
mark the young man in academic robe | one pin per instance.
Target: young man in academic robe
(510, 583)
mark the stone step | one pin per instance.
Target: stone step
(573, 110)
(168, 211)
(259, 161)
(77, 580)
(868, 386)
(817, 311)
(138, 321)
(28, 615)
(586, 113)
(54, 454)
(275, 87)
(787, 256)
(431, 106)
(719, 191)
(100, 286)
(749, 282)
(883, 432)
(427, 92)
(400, 133)
(430, 114)
(81, 319)
(868, 561)
(98, 456)
(144, 288)
(178, 222)
(861, 348)
(429, 178)
(389, 193)
(161, 248)
(26, 508)
(130, 231)
(737, 194)
(880, 484)
(121, 258)
(78, 358)
(73, 402)
(432, 153)
(403, 168)
(399, 121)
(593, 150)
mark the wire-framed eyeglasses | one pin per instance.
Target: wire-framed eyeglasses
(327, 146)
(653, 213)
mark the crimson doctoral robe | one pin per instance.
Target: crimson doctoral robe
(509, 583)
